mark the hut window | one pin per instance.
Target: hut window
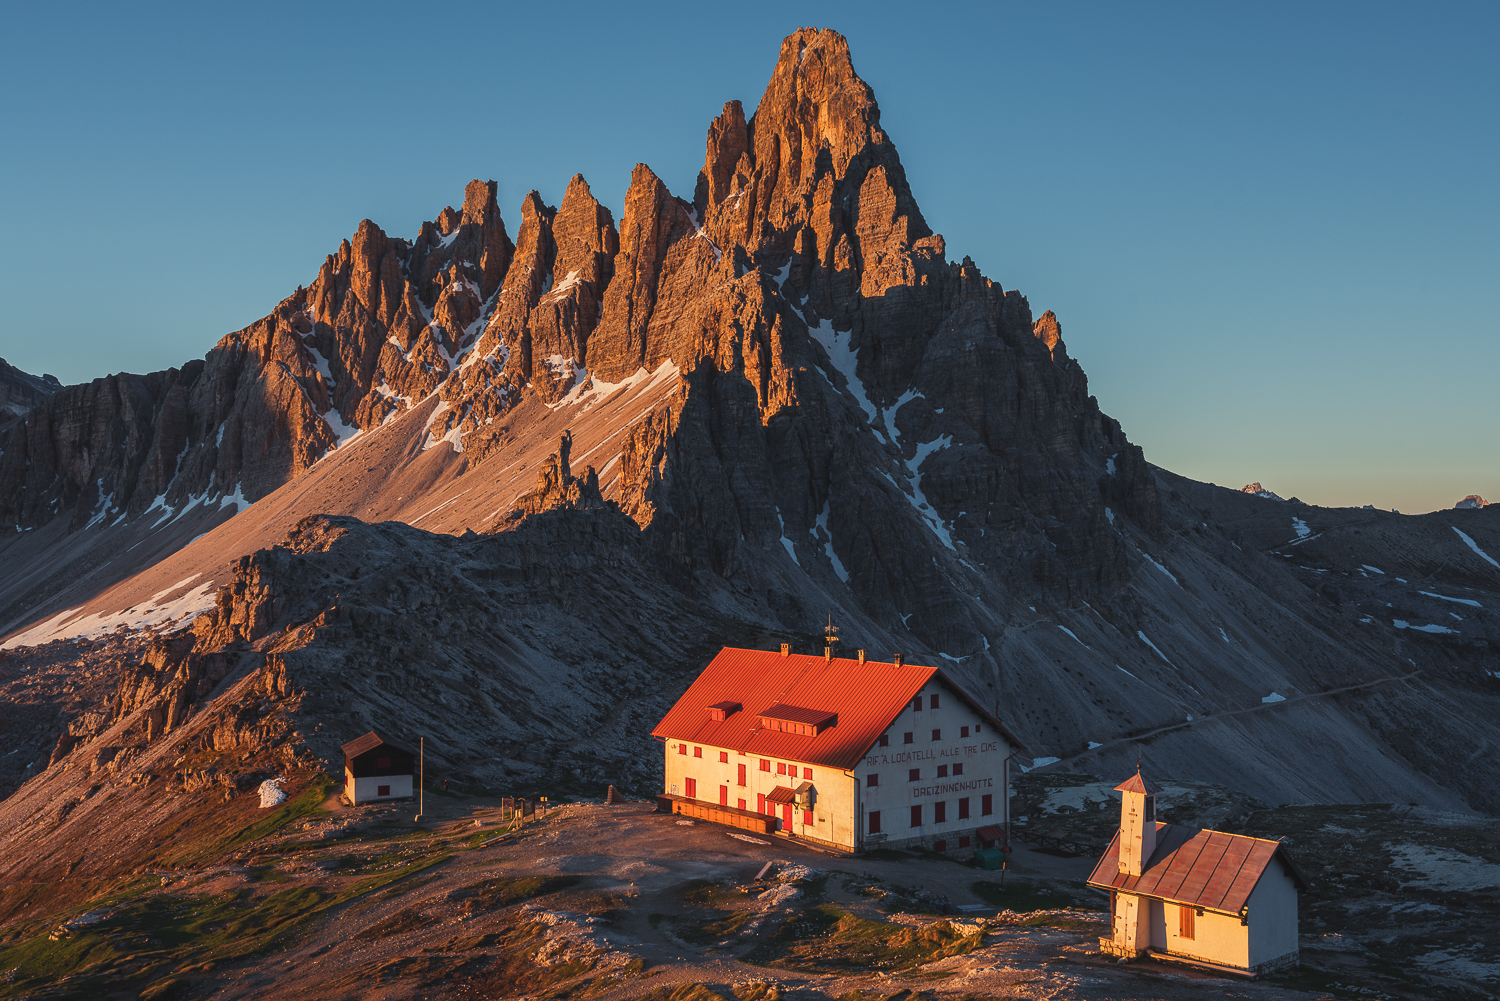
(807, 773)
(940, 812)
(742, 775)
(723, 757)
(781, 768)
(977, 727)
(942, 771)
(913, 774)
(874, 821)
(916, 815)
(908, 738)
(765, 765)
(697, 752)
(932, 702)
(382, 762)
(963, 731)
(986, 805)
(382, 790)
(916, 704)
(742, 804)
(1185, 927)
(940, 846)
(963, 841)
(872, 779)
(692, 788)
(958, 768)
(885, 740)
(681, 748)
(963, 812)
(937, 735)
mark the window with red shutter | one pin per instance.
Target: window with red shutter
(742, 804)
(742, 774)
(1185, 922)
(932, 702)
(916, 704)
(940, 846)
(942, 771)
(382, 790)
(723, 795)
(958, 768)
(691, 785)
(681, 748)
(765, 765)
(874, 821)
(963, 731)
(963, 808)
(986, 805)
(760, 802)
(697, 752)
(908, 738)
(937, 735)
(724, 757)
(913, 774)
(940, 812)
(916, 816)
(807, 818)
(963, 841)
(885, 740)
(807, 773)
(872, 780)
(781, 768)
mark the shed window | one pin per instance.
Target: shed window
(916, 815)
(908, 738)
(382, 762)
(382, 790)
(986, 805)
(874, 821)
(885, 740)
(932, 702)
(872, 779)
(914, 775)
(1185, 928)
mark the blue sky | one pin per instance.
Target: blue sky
(1271, 233)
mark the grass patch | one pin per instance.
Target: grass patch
(506, 890)
(1020, 895)
(703, 892)
(715, 930)
(828, 938)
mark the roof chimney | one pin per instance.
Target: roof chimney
(786, 649)
(900, 659)
(861, 656)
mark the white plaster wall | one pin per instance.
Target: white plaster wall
(982, 753)
(1217, 938)
(1273, 915)
(835, 799)
(364, 790)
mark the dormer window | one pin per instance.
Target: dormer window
(795, 719)
(720, 711)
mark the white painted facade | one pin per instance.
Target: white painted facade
(369, 790)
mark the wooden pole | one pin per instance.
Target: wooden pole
(421, 777)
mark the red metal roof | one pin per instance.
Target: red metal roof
(1209, 869)
(866, 697)
(781, 794)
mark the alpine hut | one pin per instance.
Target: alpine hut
(1206, 898)
(842, 752)
(377, 767)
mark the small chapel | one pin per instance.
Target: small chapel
(1225, 902)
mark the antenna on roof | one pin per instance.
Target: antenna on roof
(830, 636)
(1138, 762)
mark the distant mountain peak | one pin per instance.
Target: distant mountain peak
(1471, 502)
(1259, 491)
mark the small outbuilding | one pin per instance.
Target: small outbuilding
(1227, 902)
(376, 768)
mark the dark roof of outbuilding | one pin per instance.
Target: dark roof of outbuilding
(1209, 869)
(372, 740)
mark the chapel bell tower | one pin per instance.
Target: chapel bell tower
(1137, 822)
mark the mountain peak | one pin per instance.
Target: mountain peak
(1471, 502)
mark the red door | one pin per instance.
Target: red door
(786, 816)
(723, 795)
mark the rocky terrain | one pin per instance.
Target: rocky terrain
(510, 493)
(21, 391)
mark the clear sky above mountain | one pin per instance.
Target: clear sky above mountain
(1270, 233)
